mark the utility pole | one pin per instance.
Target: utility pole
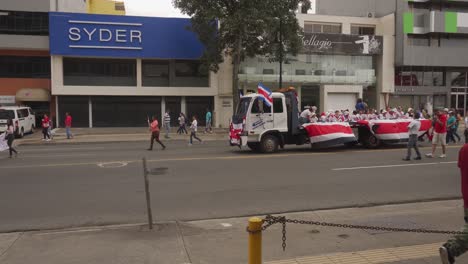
(281, 53)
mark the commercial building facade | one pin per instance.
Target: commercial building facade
(120, 70)
(344, 58)
(432, 58)
(24, 55)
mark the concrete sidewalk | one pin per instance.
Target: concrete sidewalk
(224, 241)
(110, 135)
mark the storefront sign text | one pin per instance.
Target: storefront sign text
(343, 44)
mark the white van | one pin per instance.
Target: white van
(23, 118)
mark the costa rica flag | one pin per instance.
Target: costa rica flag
(266, 94)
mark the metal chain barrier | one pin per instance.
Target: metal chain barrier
(272, 220)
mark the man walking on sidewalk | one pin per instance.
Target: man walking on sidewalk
(68, 124)
(208, 128)
(154, 128)
(440, 133)
(167, 123)
(458, 245)
(413, 129)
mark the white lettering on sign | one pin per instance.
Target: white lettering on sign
(90, 34)
(105, 34)
(320, 44)
(135, 34)
(121, 35)
(74, 34)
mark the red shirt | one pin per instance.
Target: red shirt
(154, 126)
(438, 128)
(45, 122)
(463, 165)
(68, 121)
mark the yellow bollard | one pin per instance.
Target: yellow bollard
(255, 240)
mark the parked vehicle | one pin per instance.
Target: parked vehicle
(23, 118)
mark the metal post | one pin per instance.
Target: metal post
(255, 240)
(148, 198)
(281, 53)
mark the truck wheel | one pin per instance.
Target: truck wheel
(254, 146)
(372, 142)
(269, 144)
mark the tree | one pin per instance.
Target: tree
(244, 28)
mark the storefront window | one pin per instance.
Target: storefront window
(110, 111)
(459, 79)
(197, 105)
(190, 74)
(99, 72)
(24, 67)
(419, 76)
(77, 106)
(362, 29)
(155, 73)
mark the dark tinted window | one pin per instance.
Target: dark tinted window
(23, 113)
(7, 114)
(190, 74)
(155, 73)
(260, 107)
(24, 23)
(278, 105)
(243, 106)
(24, 67)
(99, 72)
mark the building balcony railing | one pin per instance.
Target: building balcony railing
(365, 77)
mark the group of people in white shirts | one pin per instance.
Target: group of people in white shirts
(310, 115)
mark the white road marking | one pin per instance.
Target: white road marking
(394, 166)
(226, 225)
(25, 150)
(112, 165)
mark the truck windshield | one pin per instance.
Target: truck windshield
(243, 106)
(6, 114)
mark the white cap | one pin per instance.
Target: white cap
(446, 109)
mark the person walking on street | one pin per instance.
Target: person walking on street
(458, 120)
(182, 128)
(154, 128)
(458, 245)
(10, 137)
(193, 131)
(440, 133)
(68, 125)
(208, 119)
(45, 128)
(167, 123)
(451, 127)
(413, 129)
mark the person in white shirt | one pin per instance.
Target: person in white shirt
(413, 129)
(193, 131)
(306, 115)
(314, 118)
(10, 137)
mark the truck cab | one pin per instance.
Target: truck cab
(265, 128)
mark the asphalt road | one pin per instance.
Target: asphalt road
(57, 186)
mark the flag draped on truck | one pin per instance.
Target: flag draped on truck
(393, 130)
(324, 135)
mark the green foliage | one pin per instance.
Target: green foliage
(253, 23)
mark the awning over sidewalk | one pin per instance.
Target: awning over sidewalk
(33, 95)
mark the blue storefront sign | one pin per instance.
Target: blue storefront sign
(88, 35)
